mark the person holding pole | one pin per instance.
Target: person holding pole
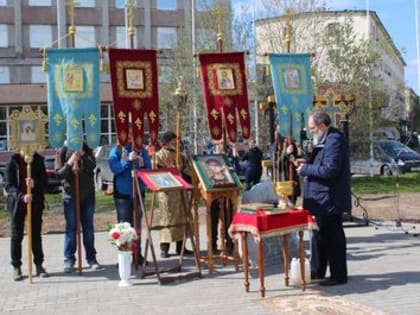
(121, 164)
(86, 163)
(17, 201)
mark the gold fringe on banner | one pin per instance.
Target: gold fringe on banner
(44, 60)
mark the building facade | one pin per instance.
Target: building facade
(307, 30)
(28, 25)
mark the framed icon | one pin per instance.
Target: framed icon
(134, 79)
(164, 180)
(225, 79)
(73, 80)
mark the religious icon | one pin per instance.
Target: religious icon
(27, 131)
(225, 79)
(163, 180)
(134, 79)
(216, 171)
(291, 78)
(73, 80)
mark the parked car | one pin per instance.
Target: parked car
(103, 174)
(389, 157)
(54, 183)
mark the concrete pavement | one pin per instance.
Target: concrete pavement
(383, 267)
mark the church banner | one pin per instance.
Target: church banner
(291, 75)
(73, 94)
(134, 79)
(225, 93)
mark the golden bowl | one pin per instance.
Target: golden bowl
(284, 188)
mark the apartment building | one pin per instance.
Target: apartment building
(28, 25)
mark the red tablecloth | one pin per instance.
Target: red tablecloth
(262, 225)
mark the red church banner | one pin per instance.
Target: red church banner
(134, 80)
(225, 93)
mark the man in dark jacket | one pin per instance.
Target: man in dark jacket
(327, 195)
(85, 162)
(17, 200)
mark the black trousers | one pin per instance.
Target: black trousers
(17, 223)
(215, 216)
(252, 175)
(329, 247)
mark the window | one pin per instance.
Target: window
(166, 37)
(3, 2)
(85, 36)
(40, 2)
(4, 75)
(121, 3)
(37, 75)
(86, 3)
(206, 39)
(164, 74)
(40, 35)
(121, 36)
(205, 5)
(4, 38)
(166, 4)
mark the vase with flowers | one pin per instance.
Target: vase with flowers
(124, 236)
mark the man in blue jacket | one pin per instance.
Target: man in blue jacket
(327, 195)
(121, 160)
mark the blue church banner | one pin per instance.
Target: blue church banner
(73, 94)
(291, 75)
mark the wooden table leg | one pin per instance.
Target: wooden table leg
(244, 239)
(261, 266)
(302, 260)
(286, 259)
(209, 241)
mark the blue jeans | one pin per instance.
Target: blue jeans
(125, 214)
(87, 208)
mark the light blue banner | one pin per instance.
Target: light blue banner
(73, 94)
(291, 75)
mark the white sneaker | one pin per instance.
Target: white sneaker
(95, 266)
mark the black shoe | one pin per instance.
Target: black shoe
(316, 276)
(142, 261)
(164, 254)
(330, 282)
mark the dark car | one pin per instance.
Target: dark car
(103, 174)
(406, 159)
(389, 157)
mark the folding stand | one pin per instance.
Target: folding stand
(211, 194)
(179, 185)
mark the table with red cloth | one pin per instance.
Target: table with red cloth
(262, 225)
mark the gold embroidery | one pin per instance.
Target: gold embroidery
(230, 118)
(152, 116)
(92, 119)
(138, 123)
(215, 114)
(58, 119)
(122, 116)
(75, 123)
(284, 109)
(243, 113)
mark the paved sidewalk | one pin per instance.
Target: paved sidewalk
(384, 266)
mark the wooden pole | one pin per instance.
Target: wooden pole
(28, 160)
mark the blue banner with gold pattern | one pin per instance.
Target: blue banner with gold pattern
(291, 75)
(73, 97)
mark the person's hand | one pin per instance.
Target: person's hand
(72, 161)
(132, 156)
(299, 164)
(290, 149)
(27, 198)
(124, 156)
(29, 182)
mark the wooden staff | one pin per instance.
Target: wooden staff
(28, 160)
